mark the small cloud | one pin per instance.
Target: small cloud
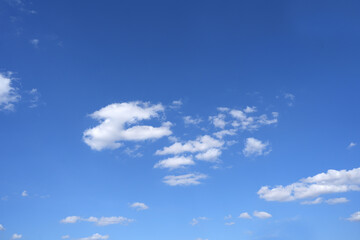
(228, 217)
(71, 219)
(255, 147)
(139, 206)
(96, 236)
(315, 201)
(2, 227)
(355, 217)
(245, 215)
(65, 237)
(24, 194)
(188, 120)
(184, 180)
(250, 109)
(175, 162)
(35, 42)
(337, 200)
(351, 145)
(8, 94)
(16, 236)
(196, 221)
(176, 104)
(229, 223)
(290, 99)
(262, 215)
(218, 121)
(35, 96)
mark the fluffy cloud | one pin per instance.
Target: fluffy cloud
(189, 120)
(351, 145)
(201, 144)
(175, 162)
(262, 215)
(118, 123)
(355, 217)
(65, 237)
(218, 121)
(249, 109)
(210, 155)
(245, 122)
(16, 236)
(245, 215)
(221, 134)
(337, 200)
(103, 221)
(2, 227)
(332, 181)
(254, 147)
(184, 180)
(8, 94)
(139, 206)
(95, 236)
(24, 194)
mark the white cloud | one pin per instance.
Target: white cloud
(65, 237)
(24, 194)
(254, 147)
(245, 122)
(332, 181)
(175, 162)
(245, 215)
(351, 145)
(223, 133)
(201, 144)
(210, 155)
(95, 236)
(8, 94)
(189, 120)
(313, 202)
(16, 236)
(35, 42)
(71, 219)
(218, 121)
(249, 109)
(114, 119)
(290, 98)
(196, 221)
(2, 227)
(176, 104)
(262, 215)
(35, 96)
(184, 180)
(139, 206)
(228, 217)
(337, 200)
(355, 217)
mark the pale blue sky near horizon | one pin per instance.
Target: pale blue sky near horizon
(199, 120)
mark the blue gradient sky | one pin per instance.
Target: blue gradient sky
(294, 62)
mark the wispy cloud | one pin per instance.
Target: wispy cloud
(139, 206)
(184, 180)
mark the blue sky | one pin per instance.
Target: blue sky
(199, 120)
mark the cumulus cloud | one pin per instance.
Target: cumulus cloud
(337, 200)
(2, 227)
(103, 221)
(175, 162)
(95, 236)
(218, 121)
(210, 155)
(8, 94)
(118, 123)
(176, 104)
(254, 147)
(332, 181)
(245, 215)
(139, 206)
(16, 236)
(192, 121)
(355, 217)
(184, 180)
(262, 215)
(250, 109)
(24, 194)
(228, 132)
(201, 144)
(245, 122)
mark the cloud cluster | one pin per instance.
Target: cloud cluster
(103, 221)
(8, 94)
(119, 122)
(332, 181)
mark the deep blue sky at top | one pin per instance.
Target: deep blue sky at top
(206, 53)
